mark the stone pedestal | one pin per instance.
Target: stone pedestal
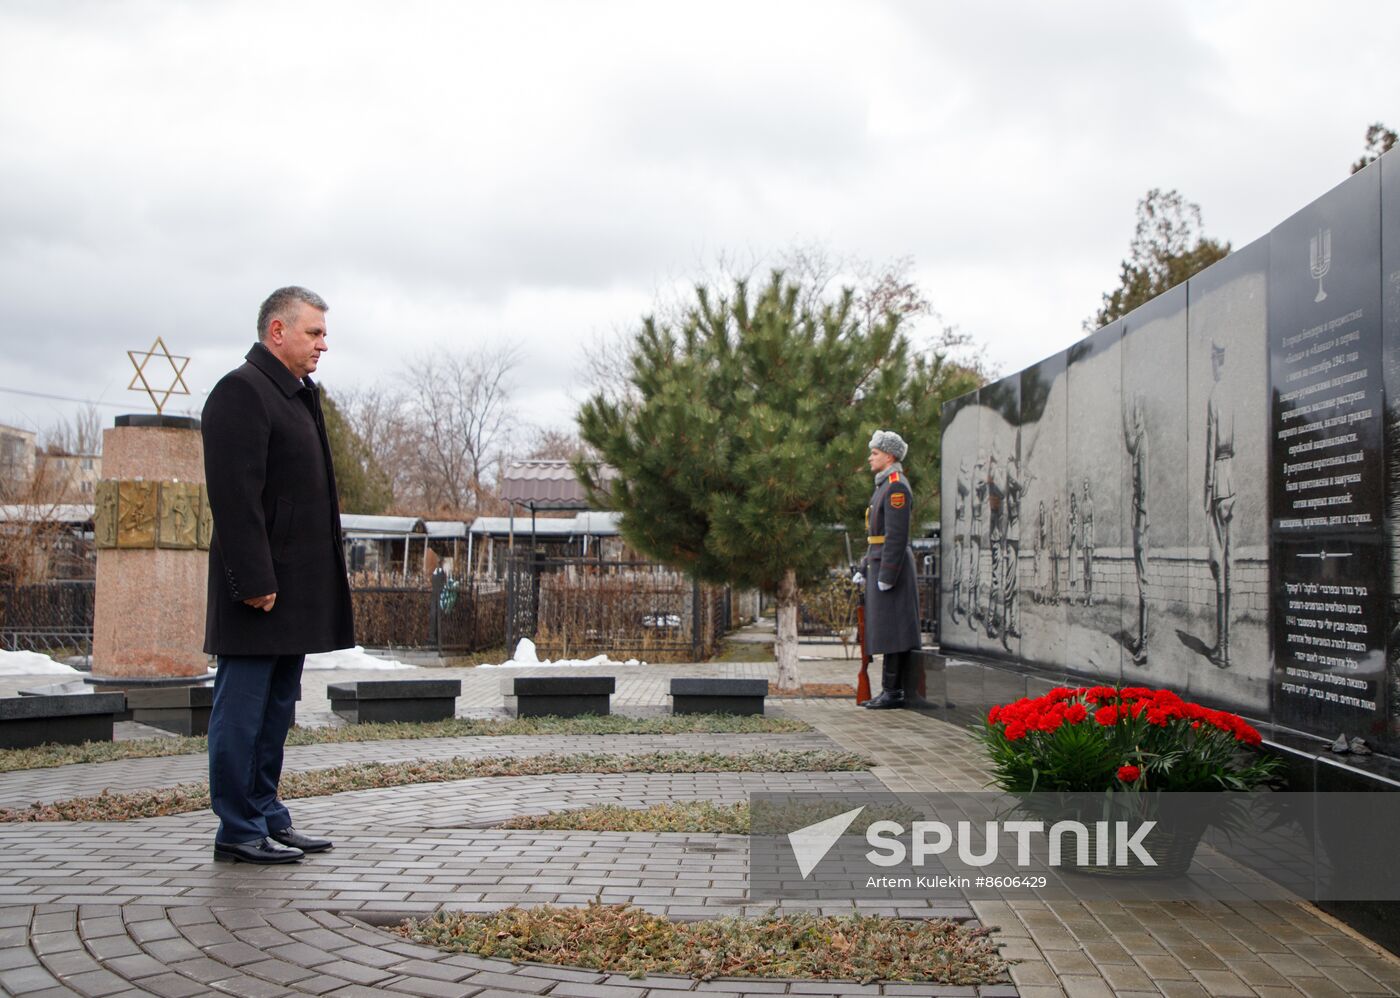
(152, 557)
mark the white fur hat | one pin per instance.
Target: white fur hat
(890, 442)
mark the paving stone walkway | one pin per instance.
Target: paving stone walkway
(27, 786)
(137, 908)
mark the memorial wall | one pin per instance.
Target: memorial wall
(1202, 494)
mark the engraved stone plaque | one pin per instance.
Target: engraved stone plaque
(179, 515)
(104, 517)
(136, 506)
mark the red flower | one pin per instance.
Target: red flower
(1129, 774)
(1050, 720)
(1075, 713)
(1106, 716)
(1015, 731)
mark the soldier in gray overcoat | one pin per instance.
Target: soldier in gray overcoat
(892, 594)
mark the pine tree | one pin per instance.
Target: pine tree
(361, 482)
(741, 451)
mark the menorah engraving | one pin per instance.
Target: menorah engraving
(1320, 259)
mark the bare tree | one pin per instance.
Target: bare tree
(458, 407)
(79, 434)
(552, 443)
(879, 287)
(379, 415)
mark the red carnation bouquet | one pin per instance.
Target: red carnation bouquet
(1102, 738)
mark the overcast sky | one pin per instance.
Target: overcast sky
(473, 173)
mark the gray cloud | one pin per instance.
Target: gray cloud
(461, 174)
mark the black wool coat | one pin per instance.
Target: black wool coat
(267, 463)
(892, 615)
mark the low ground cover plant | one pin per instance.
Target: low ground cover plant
(188, 797)
(697, 816)
(48, 756)
(629, 940)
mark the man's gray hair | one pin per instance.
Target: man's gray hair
(280, 302)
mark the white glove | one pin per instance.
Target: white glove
(885, 586)
(857, 578)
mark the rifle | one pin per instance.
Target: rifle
(863, 679)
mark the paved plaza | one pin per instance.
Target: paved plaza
(137, 907)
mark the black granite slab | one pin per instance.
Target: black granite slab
(170, 696)
(396, 710)
(722, 686)
(151, 419)
(183, 710)
(565, 705)
(28, 708)
(69, 719)
(559, 685)
(395, 689)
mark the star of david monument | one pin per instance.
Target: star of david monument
(151, 526)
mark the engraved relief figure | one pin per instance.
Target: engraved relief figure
(1073, 543)
(1041, 524)
(1011, 604)
(974, 562)
(136, 515)
(104, 519)
(1086, 517)
(1220, 499)
(205, 526)
(1135, 438)
(996, 543)
(1055, 541)
(959, 538)
(179, 515)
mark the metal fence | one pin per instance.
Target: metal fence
(570, 607)
(828, 608)
(48, 617)
(449, 614)
(581, 607)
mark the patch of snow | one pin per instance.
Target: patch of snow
(31, 663)
(351, 658)
(526, 655)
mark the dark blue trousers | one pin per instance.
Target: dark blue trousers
(254, 704)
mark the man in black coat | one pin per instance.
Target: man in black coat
(277, 583)
(892, 601)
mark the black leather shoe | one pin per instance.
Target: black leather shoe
(888, 700)
(289, 836)
(262, 851)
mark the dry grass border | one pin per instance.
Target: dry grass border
(628, 940)
(705, 816)
(49, 756)
(187, 797)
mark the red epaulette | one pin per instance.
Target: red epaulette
(894, 476)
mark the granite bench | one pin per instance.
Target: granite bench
(385, 700)
(67, 719)
(562, 696)
(181, 709)
(717, 695)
